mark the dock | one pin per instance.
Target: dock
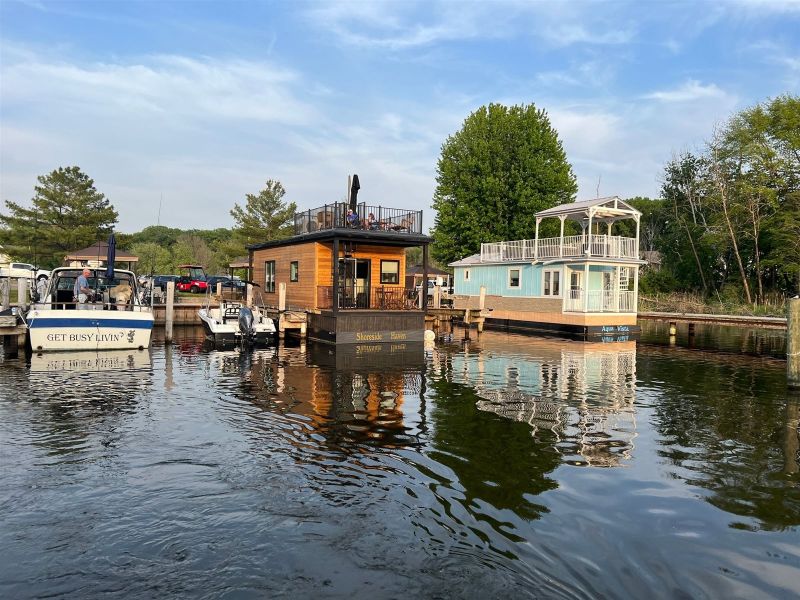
(710, 319)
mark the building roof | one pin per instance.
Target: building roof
(240, 262)
(417, 270)
(475, 259)
(610, 208)
(100, 251)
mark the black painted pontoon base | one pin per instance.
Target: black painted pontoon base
(589, 333)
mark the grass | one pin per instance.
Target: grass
(697, 304)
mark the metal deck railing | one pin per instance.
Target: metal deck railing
(570, 246)
(335, 216)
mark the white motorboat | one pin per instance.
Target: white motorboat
(233, 322)
(114, 318)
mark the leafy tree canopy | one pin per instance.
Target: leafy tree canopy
(503, 166)
(265, 216)
(67, 214)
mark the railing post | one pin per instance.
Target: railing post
(22, 292)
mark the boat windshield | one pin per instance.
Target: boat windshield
(62, 283)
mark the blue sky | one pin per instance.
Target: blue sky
(202, 102)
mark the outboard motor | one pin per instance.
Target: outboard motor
(247, 324)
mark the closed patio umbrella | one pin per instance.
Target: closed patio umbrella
(354, 193)
(111, 256)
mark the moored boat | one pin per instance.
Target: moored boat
(233, 322)
(113, 317)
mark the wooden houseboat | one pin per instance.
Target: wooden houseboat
(345, 267)
(584, 285)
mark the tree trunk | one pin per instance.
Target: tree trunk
(696, 258)
(735, 245)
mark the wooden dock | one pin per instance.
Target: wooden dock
(730, 320)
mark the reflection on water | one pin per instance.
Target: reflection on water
(458, 470)
(581, 392)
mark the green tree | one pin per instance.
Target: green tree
(153, 258)
(67, 214)
(265, 216)
(503, 165)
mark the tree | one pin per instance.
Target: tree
(503, 165)
(264, 217)
(67, 214)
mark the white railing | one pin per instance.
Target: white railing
(571, 246)
(599, 301)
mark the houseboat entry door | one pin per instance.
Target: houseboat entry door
(356, 282)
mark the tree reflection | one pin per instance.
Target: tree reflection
(729, 427)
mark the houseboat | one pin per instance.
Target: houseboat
(345, 267)
(584, 285)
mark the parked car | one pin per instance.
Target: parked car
(16, 270)
(227, 282)
(160, 281)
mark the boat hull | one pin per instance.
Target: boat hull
(50, 331)
(228, 333)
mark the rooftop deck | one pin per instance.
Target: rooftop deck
(335, 216)
(571, 246)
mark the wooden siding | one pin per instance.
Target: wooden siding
(363, 251)
(300, 294)
(315, 269)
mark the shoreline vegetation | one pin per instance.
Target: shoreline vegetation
(693, 303)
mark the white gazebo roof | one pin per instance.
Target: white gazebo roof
(609, 209)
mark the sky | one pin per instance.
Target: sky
(185, 107)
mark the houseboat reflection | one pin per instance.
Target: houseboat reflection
(582, 392)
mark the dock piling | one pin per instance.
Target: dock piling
(170, 316)
(793, 344)
(22, 292)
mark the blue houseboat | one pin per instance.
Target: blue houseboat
(583, 285)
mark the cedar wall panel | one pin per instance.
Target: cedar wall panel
(315, 269)
(374, 253)
(300, 294)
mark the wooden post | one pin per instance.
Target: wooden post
(424, 277)
(793, 344)
(482, 298)
(22, 292)
(282, 296)
(5, 287)
(250, 295)
(219, 290)
(170, 316)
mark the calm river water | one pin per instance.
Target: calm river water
(505, 466)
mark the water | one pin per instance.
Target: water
(510, 465)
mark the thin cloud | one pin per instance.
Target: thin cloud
(689, 91)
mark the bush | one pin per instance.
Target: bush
(659, 281)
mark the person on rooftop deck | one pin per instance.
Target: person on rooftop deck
(352, 218)
(371, 222)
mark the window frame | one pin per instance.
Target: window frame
(466, 274)
(397, 274)
(269, 286)
(551, 282)
(519, 278)
(294, 277)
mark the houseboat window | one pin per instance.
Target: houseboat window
(269, 276)
(466, 274)
(513, 278)
(294, 268)
(552, 283)
(390, 271)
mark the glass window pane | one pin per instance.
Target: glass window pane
(513, 278)
(547, 283)
(556, 283)
(390, 271)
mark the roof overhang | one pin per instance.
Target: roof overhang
(375, 238)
